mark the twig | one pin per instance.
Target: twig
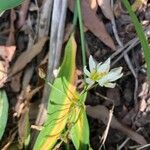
(103, 139)
(144, 146)
(124, 143)
(124, 49)
(101, 112)
(132, 43)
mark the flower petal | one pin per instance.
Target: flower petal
(89, 81)
(92, 64)
(110, 85)
(86, 71)
(105, 66)
(113, 75)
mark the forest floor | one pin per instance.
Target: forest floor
(109, 32)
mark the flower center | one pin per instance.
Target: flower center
(97, 75)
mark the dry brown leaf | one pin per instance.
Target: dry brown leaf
(93, 4)
(23, 126)
(101, 112)
(24, 99)
(22, 112)
(27, 56)
(6, 53)
(117, 9)
(3, 73)
(138, 4)
(93, 23)
(106, 8)
(143, 95)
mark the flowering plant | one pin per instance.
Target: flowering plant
(101, 73)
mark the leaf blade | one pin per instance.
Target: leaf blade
(80, 132)
(8, 4)
(59, 103)
(3, 112)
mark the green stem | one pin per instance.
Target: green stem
(67, 146)
(81, 34)
(75, 16)
(87, 88)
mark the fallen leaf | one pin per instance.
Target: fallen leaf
(27, 56)
(93, 4)
(3, 73)
(6, 53)
(143, 96)
(24, 128)
(93, 23)
(138, 4)
(106, 8)
(24, 99)
(101, 112)
(117, 9)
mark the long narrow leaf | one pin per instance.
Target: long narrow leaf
(141, 35)
(3, 111)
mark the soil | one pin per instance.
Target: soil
(131, 113)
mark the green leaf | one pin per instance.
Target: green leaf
(3, 112)
(141, 35)
(8, 4)
(60, 100)
(80, 131)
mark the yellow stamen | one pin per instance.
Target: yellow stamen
(97, 75)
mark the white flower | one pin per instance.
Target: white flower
(102, 74)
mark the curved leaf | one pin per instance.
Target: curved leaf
(3, 111)
(60, 100)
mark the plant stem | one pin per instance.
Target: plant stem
(67, 146)
(81, 35)
(75, 16)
